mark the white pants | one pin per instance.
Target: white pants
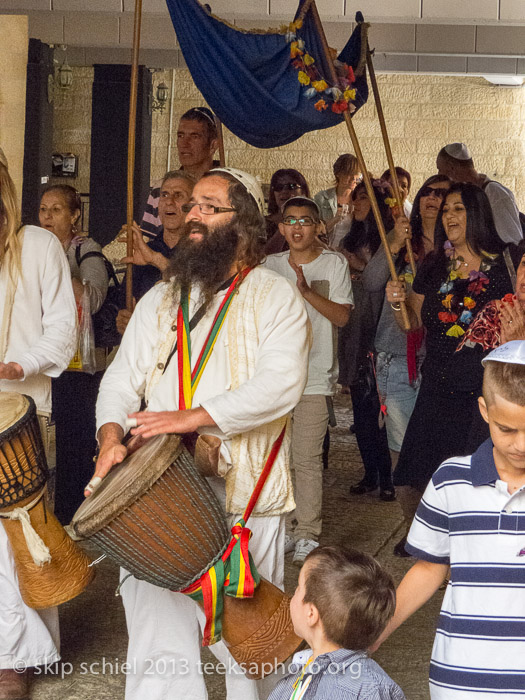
(27, 637)
(165, 630)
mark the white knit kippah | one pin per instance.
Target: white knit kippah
(512, 352)
(458, 151)
(251, 184)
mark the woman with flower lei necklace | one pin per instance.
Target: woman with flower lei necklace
(399, 355)
(465, 272)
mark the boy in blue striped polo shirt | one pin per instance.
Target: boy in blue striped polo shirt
(472, 519)
(342, 602)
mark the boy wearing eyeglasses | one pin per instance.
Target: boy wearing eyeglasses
(323, 278)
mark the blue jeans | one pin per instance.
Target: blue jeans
(397, 393)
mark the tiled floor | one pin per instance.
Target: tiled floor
(93, 627)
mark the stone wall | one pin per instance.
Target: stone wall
(13, 69)
(423, 113)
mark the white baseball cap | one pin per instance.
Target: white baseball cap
(250, 183)
(512, 352)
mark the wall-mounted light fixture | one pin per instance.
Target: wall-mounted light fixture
(162, 95)
(63, 77)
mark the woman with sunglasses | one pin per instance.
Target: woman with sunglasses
(335, 203)
(285, 184)
(398, 357)
(465, 271)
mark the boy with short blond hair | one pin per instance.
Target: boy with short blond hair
(343, 600)
(472, 519)
(323, 278)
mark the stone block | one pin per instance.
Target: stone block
(402, 93)
(500, 39)
(461, 130)
(405, 148)
(511, 10)
(514, 165)
(81, 5)
(505, 147)
(488, 128)
(26, 6)
(47, 26)
(91, 29)
(492, 64)
(442, 64)
(445, 38)
(158, 6)
(374, 10)
(420, 128)
(156, 32)
(392, 37)
(450, 10)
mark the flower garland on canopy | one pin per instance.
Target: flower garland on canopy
(340, 96)
(459, 308)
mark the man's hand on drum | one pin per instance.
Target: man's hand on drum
(11, 370)
(395, 291)
(150, 423)
(112, 452)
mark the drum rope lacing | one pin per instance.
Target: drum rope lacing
(35, 544)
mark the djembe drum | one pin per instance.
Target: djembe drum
(157, 517)
(51, 568)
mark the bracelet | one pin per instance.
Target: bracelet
(396, 306)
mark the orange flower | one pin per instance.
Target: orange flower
(469, 303)
(320, 105)
(447, 301)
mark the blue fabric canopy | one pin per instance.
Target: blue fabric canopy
(248, 78)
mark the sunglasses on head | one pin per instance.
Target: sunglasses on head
(440, 192)
(286, 186)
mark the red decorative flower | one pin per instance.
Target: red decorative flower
(351, 76)
(447, 316)
(340, 106)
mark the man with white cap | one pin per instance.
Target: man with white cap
(253, 378)
(471, 520)
(455, 162)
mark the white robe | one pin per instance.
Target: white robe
(163, 650)
(42, 339)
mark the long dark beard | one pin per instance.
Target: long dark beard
(205, 263)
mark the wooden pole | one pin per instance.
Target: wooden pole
(131, 148)
(388, 150)
(362, 164)
(220, 139)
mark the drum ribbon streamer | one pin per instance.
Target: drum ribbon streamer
(235, 573)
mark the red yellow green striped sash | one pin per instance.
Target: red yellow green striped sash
(235, 573)
(188, 379)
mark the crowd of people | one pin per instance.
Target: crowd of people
(310, 306)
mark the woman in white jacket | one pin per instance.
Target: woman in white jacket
(37, 341)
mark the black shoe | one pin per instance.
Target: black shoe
(361, 488)
(387, 494)
(399, 549)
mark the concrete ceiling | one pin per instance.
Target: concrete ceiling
(480, 37)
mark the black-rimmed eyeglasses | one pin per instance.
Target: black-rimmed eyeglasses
(206, 208)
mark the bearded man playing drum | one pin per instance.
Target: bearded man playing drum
(254, 377)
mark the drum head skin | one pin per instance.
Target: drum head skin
(125, 483)
(12, 407)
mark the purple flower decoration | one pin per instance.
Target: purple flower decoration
(449, 249)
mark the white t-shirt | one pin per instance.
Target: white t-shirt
(329, 276)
